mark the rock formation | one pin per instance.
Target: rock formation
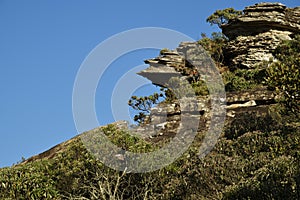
(177, 63)
(253, 36)
(166, 118)
(258, 31)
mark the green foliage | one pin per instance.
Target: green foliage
(32, 181)
(200, 88)
(176, 89)
(243, 79)
(284, 74)
(249, 122)
(259, 160)
(126, 141)
(214, 45)
(144, 104)
(269, 161)
(162, 51)
(221, 17)
(279, 179)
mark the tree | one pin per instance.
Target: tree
(214, 45)
(143, 105)
(284, 74)
(175, 89)
(221, 17)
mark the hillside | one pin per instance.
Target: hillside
(256, 155)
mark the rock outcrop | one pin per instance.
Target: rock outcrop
(166, 118)
(253, 37)
(177, 63)
(257, 32)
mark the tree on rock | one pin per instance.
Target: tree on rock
(221, 17)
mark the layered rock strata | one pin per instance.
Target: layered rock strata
(257, 32)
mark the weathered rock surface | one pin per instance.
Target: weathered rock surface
(253, 37)
(189, 61)
(182, 62)
(249, 51)
(258, 31)
(166, 118)
(263, 17)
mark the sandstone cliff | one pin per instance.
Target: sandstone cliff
(252, 38)
(258, 31)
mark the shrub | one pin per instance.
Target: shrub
(243, 79)
(284, 74)
(277, 180)
(31, 181)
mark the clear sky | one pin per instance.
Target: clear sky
(43, 44)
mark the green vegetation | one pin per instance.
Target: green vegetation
(177, 89)
(214, 46)
(257, 156)
(258, 162)
(244, 79)
(235, 80)
(126, 141)
(162, 51)
(221, 17)
(31, 181)
(284, 74)
(143, 105)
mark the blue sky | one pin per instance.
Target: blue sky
(43, 44)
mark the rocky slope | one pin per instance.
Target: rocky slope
(256, 157)
(253, 37)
